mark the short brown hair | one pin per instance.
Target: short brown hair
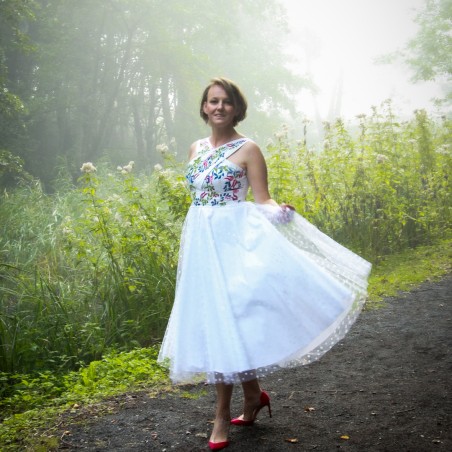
(233, 91)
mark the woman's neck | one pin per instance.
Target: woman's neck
(222, 136)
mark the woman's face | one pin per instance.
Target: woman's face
(219, 108)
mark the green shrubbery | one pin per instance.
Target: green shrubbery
(87, 270)
(92, 269)
(32, 403)
(385, 190)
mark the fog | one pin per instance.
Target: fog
(117, 81)
(338, 42)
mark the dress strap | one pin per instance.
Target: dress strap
(221, 154)
(206, 159)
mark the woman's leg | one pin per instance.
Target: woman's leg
(223, 413)
(251, 394)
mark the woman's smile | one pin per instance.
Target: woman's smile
(219, 106)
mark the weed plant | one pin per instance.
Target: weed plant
(384, 191)
(35, 405)
(29, 412)
(92, 269)
(87, 270)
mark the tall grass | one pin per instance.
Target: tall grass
(86, 270)
(93, 268)
(383, 189)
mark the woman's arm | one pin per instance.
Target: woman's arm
(256, 170)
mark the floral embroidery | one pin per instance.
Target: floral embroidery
(224, 183)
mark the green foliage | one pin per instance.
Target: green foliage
(428, 53)
(92, 268)
(30, 404)
(11, 169)
(386, 190)
(116, 372)
(430, 49)
(46, 396)
(15, 46)
(86, 270)
(113, 79)
(403, 271)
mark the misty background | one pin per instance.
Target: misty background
(341, 44)
(115, 80)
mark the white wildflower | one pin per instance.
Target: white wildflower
(270, 143)
(168, 173)
(126, 169)
(129, 166)
(162, 148)
(381, 158)
(114, 198)
(444, 150)
(88, 167)
(158, 167)
(173, 141)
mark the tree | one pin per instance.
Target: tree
(15, 46)
(113, 79)
(429, 52)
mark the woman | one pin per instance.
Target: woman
(258, 287)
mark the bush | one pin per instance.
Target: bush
(386, 190)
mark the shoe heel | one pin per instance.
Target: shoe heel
(265, 401)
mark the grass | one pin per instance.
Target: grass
(402, 272)
(90, 389)
(36, 429)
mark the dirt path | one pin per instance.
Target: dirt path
(386, 387)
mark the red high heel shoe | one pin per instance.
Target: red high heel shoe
(218, 446)
(264, 401)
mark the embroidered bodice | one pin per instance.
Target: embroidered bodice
(214, 180)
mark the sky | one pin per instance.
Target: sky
(345, 37)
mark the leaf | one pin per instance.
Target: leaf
(345, 437)
(308, 409)
(291, 440)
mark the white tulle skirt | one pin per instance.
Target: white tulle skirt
(254, 295)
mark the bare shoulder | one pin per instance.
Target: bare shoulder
(253, 151)
(249, 155)
(192, 150)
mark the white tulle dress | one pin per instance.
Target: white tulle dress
(258, 287)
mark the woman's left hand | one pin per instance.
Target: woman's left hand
(287, 213)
